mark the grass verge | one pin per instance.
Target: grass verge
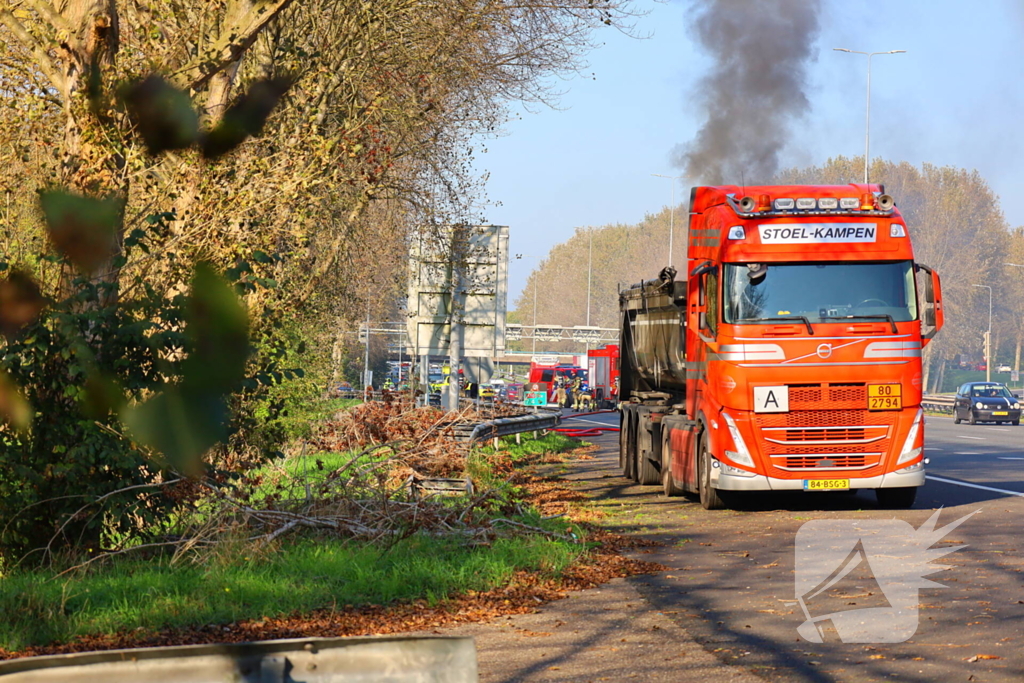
(293, 577)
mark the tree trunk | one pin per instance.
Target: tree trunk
(90, 165)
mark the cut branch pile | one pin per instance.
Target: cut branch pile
(372, 495)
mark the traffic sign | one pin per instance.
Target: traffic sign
(536, 398)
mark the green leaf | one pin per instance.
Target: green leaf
(217, 327)
(20, 303)
(162, 114)
(14, 408)
(245, 117)
(82, 228)
(179, 424)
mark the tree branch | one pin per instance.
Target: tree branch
(43, 59)
(61, 28)
(232, 43)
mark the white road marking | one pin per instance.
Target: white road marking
(999, 429)
(934, 448)
(974, 486)
(1002, 458)
(966, 453)
(979, 438)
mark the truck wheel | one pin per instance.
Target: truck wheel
(648, 472)
(897, 498)
(628, 460)
(624, 444)
(667, 482)
(709, 496)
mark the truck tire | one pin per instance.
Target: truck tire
(667, 482)
(648, 471)
(710, 498)
(624, 444)
(897, 498)
(628, 459)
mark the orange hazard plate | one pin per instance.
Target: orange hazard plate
(885, 397)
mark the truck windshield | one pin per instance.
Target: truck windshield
(819, 292)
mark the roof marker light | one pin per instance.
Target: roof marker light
(806, 204)
(897, 230)
(849, 203)
(785, 204)
(737, 232)
(828, 203)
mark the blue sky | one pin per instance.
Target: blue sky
(955, 98)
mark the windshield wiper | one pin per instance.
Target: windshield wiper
(863, 317)
(801, 318)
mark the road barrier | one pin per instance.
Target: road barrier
(311, 660)
(544, 418)
(937, 404)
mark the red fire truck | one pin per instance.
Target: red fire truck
(603, 370)
(788, 356)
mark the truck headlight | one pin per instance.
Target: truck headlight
(979, 405)
(741, 455)
(908, 452)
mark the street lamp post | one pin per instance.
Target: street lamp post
(988, 336)
(671, 211)
(590, 270)
(535, 284)
(867, 117)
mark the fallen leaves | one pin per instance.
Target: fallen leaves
(976, 658)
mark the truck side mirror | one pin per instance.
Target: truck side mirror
(932, 315)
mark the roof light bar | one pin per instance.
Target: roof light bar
(784, 204)
(849, 203)
(806, 204)
(828, 203)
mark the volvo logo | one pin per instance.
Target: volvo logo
(824, 350)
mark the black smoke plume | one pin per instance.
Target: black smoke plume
(756, 87)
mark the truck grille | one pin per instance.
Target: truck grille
(827, 396)
(828, 461)
(828, 428)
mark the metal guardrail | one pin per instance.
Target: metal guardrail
(544, 418)
(937, 403)
(310, 660)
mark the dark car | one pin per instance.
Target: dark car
(985, 402)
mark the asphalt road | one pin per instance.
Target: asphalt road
(732, 582)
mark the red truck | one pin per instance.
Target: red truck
(788, 356)
(603, 371)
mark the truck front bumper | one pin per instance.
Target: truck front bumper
(759, 482)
